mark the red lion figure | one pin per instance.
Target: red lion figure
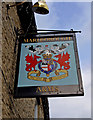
(62, 60)
(33, 62)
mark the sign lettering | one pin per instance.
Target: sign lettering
(47, 89)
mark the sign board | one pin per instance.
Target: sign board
(48, 66)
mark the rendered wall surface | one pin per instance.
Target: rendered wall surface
(12, 108)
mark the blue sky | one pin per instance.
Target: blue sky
(65, 16)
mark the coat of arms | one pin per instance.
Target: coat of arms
(45, 60)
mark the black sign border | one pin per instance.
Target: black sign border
(30, 92)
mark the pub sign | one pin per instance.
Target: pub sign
(48, 66)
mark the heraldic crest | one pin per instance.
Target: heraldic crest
(43, 60)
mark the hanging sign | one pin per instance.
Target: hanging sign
(48, 66)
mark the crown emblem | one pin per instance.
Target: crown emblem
(47, 55)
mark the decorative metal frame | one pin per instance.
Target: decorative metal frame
(64, 90)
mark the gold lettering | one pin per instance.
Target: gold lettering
(49, 89)
(44, 89)
(62, 38)
(52, 88)
(66, 38)
(69, 38)
(47, 39)
(37, 39)
(30, 40)
(27, 40)
(57, 38)
(56, 89)
(41, 39)
(34, 40)
(38, 90)
(44, 39)
(53, 38)
(24, 40)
